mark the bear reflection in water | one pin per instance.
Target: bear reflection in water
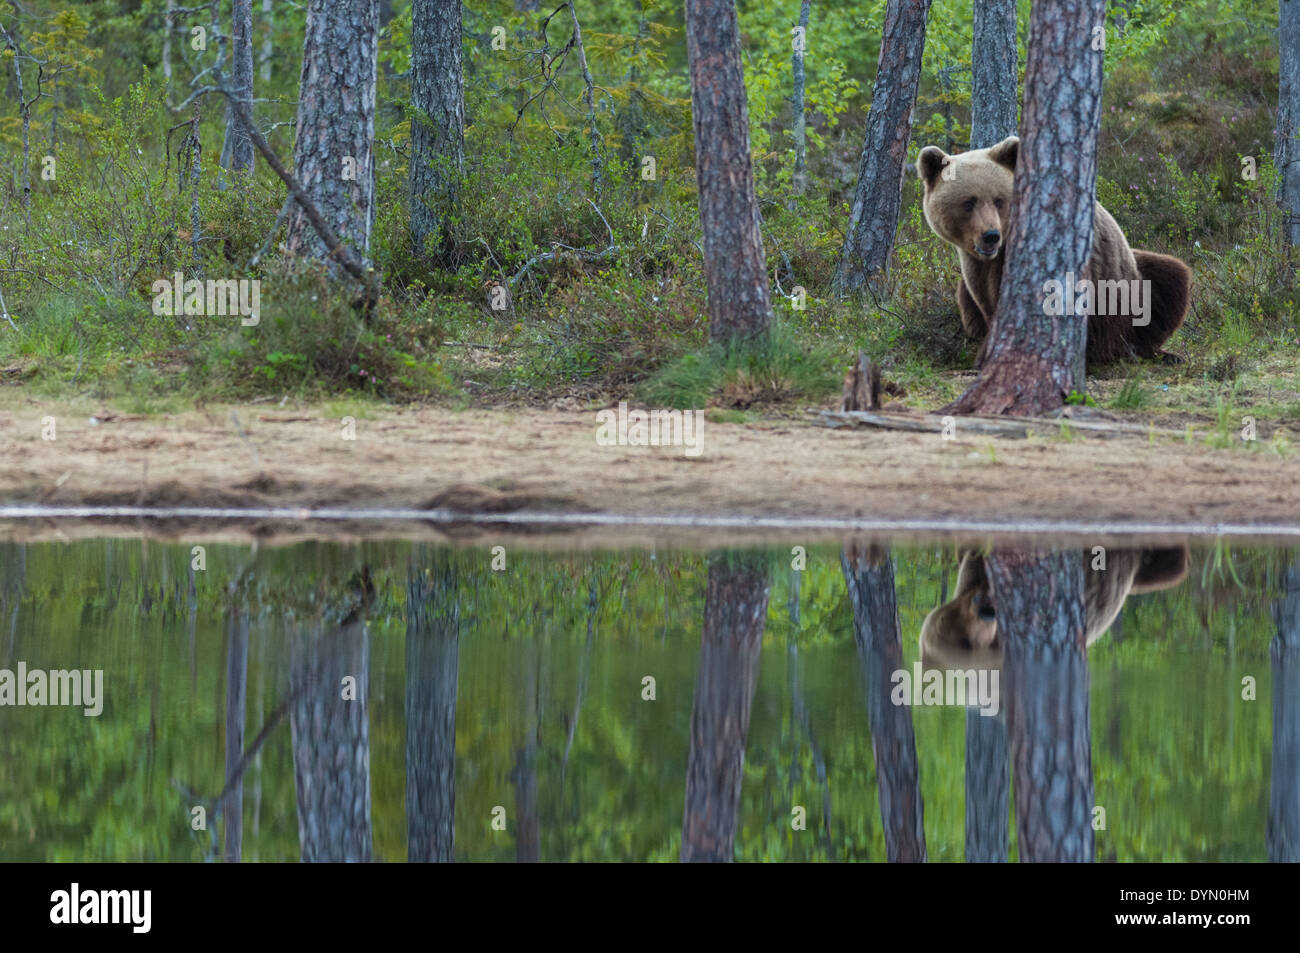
(963, 632)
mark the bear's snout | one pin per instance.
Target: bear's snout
(990, 242)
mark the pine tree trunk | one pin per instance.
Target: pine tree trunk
(432, 665)
(988, 788)
(331, 745)
(735, 266)
(437, 120)
(1040, 617)
(1033, 360)
(870, 580)
(336, 124)
(1284, 798)
(241, 144)
(873, 216)
(735, 609)
(1287, 150)
(994, 66)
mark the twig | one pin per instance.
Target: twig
(279, 222)
(589, 94)
(5, 312)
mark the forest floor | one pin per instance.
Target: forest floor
(510, 460)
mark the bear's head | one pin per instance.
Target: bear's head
(963, 632)
(968, 196)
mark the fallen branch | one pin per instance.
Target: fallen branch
(583, 253)
(1018, 427)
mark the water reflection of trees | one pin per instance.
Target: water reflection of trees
(735, 609)
(1284, 799)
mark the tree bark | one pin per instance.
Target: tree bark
(335, 127)
(988, 788)
(432, 666)
(800, 120)
(331, 745)
(1287, 149)
(735, 609)
(735, 266)
(241, 144)
(1033, 360)
(873, 216)
(1041, 624)
(437, 120)
(1284, 797)
(994, 70)
(870, 579)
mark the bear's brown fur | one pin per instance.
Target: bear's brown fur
(963, 632)
(967, 202)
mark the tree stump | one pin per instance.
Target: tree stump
(861, 385)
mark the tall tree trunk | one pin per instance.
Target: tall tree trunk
(168, 27)
(1287, 148)
(232, 811)
(1040, 618)
(432, 665)
(800, 119)
(869, 576)
(735, 266)
(873, 217)
(437, 119)
(988, 788)
(994, 70)
(1033, 361)
(240, 143)
(13, 45)
(735, 610)
(331, 745)
(336, 125)
(1284, 798)
(268, 34)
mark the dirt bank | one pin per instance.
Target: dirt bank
(549, 461)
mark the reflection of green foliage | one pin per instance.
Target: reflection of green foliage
(1180, 762)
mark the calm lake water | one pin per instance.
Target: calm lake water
(400, 701)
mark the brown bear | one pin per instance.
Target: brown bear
(967, 202)
(963, 632)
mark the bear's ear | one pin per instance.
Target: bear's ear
(970, 574)
(930, 163)
(1006, 152)
(1161, 568)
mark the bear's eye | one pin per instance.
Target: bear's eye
(969, 204)
(997, 203)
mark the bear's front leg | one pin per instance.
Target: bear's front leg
(972, 318)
